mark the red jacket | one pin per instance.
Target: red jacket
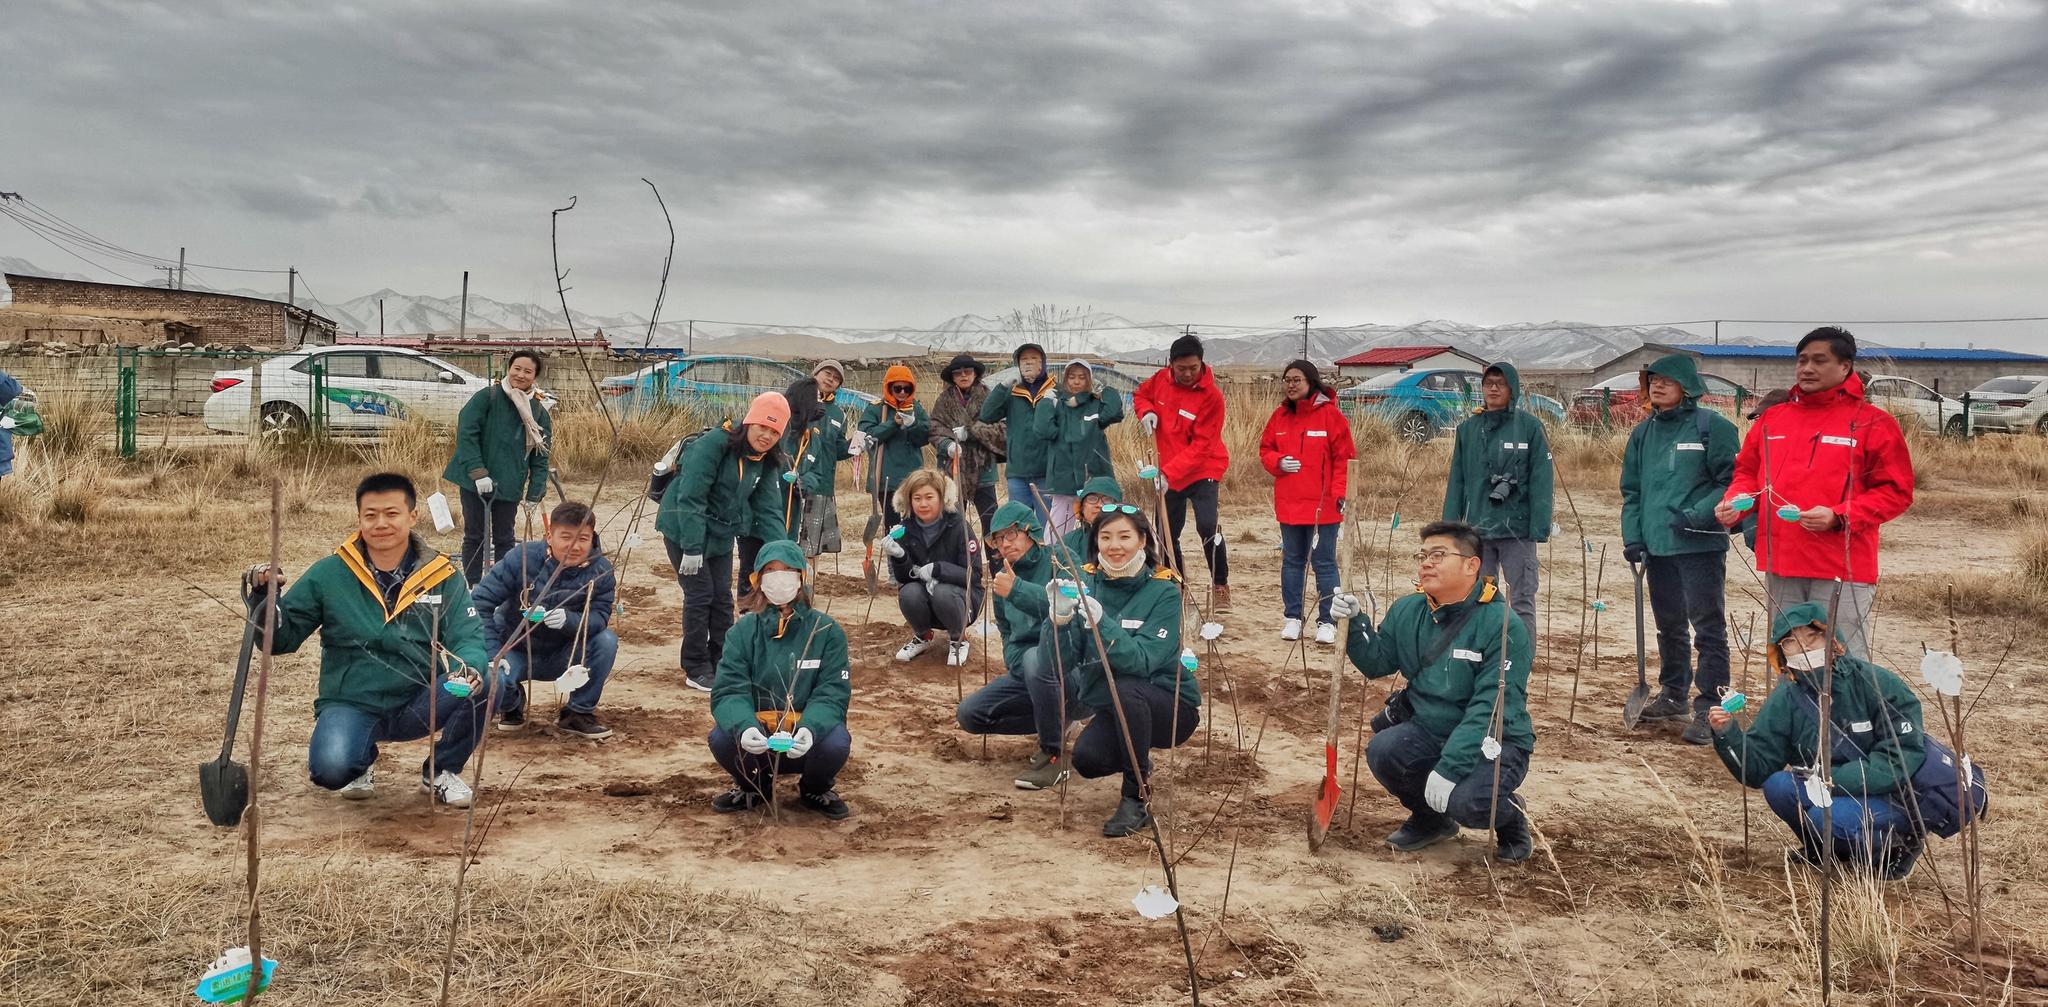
(1319, 437)
(1831, 449)
(1190, 435)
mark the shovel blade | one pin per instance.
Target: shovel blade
(867, 569)
(873, 528)
(1632, 711)
(224, 790)
(1325, 810)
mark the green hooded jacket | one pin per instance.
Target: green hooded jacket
(1880, 713)
(1076, 444)
(372, 658)
(490, 441)
(816, 449)
(1453, 695)
(1021, 615)
(781, 663)
(1672, 474)
(719, 493)
(1140, 632)
(1016, 405)
(1509, 442)
(901, 448)
(1105, 485)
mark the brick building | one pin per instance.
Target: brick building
(200, 316)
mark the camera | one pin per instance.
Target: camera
(1503, 486)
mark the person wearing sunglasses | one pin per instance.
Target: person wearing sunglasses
(896, 428)
(1077, 445)
(1031, 698)
(1096, 494)
(1306, 446)
(1501, 483)
(1436, 747)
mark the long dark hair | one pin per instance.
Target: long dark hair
(804, 407)
(1315, 384)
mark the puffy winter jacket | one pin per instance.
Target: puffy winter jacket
(955, 558)
(1017, 406)
(1190, 435)
(1502, 442)
(1317, 435)
(816, 449)
(1677, 464)
(1829, 449)
(518, 579)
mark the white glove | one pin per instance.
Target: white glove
(1290, 464)
(800, 742)
(1062, 605)
(904, 419)
(1150, 421)
(892, 548)
(1073, 401)
(927, 573)
(754, 741)
(503, 666)
(1159, 483)
(484, 486)
(690, 565)
(857, 444)
(6, 422)
(960, 434)
(1090, 611)
(1212, 630)
(952, 449)
(1437, 792)
(1345, 606)
(556, 618)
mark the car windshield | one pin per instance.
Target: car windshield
(2008, 386)
(1387, 380)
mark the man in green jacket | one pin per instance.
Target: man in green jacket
(1016, 405)
(1031, 698)
(1501, 478)
(1674, 471)
(1462, 722)
(502, 440)
(1876, 747)
(395, 624)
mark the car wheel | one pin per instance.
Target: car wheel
(283, 423)
(1414, 428)
(2041, 426)
(1955, 428)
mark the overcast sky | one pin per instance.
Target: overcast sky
(852, 163)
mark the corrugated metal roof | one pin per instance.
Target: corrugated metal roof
(1394, 356)
(1784, 351)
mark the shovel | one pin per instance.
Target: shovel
(1632, 710)
(874, 525)
(223, 782)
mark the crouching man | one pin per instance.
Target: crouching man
(1031, 699)
(396, 625)
(566, 581)
(1436, 746)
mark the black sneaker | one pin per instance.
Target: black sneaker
(512, 720)
(737, 799)
(1666, 708)
(1698, 732)
(1419, 832)
(699, 680)
(1131, 818)
(1899, 859)
(827, 804)
(582, 725)
(1512, 843)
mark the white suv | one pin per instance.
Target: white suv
(2015, 404)
(368, 390)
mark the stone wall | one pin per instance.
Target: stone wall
(219, 318)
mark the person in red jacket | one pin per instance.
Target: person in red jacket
(1306, 444)
(1181, 408)
(1822, 472)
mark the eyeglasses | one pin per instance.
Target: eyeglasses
(1431, 557)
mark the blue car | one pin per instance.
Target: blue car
(712, 383)
(1422, 404)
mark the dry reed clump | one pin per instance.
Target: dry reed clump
(583, 441)
(2033, 557)
(75, 423)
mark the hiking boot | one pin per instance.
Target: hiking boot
(956, 653)
(916, 646)
(699, 680)
(583, 725)
(1666, 708)
(1326, 633)
(1131, 818)
(1698, 732)
(737, 799)
(1512, 844)
(1045, 772)
(448, 789)
(512, 720)
(1420, 832)
(827, 804)
(1222, 602)
(1290, 630)
(362, 787)
(1898, 861)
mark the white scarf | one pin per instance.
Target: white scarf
(523, 401)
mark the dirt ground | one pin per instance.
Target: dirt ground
(948, 886)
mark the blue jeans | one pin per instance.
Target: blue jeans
(1864, 827)
(599, 654)
(1295, 542)
(1020, 491)
(756, 773)
(345, 738)
(1402, 757)
(1025, 701)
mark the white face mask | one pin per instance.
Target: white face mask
(1812, 660)
(1130, 567)
(779, 586)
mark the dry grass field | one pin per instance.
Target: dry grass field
(605, 878)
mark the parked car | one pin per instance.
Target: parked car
(2014, 404)
(1418, 404)
(367, 391)
(1916, 403)
(1617, 401)
(1106, 376)
(712, 382)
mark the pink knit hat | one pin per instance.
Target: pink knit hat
(770, 410)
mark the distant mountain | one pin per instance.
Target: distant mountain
(1551, 345)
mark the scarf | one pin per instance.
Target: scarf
(523, 401)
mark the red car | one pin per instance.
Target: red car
(1618, 401)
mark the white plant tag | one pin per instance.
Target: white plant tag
(634, 541)
(1489, 747)
(1943, 672)
(1817, 793)
(437, 505)
(1154, 903)
(574, 678)
(1212, 630)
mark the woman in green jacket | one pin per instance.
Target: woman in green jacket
(896, 428)
(779, 704)
(1076, 443)
(501, 457)
(1129, 602)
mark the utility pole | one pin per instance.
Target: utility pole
(1304, 320)
(170, 273)
(291, 294)
(1717, 332)
(690, 341)
(462, 322)
(181, 267)
(380, 316)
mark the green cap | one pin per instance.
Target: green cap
(1103, 486)
(782, 550)
(1015, 514)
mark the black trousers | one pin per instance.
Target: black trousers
(1402, 757)
(503, 520)
(1158, 720)
(1687, 597)
(707, 609)
(1203, 495)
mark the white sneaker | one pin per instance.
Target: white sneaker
(916, 646)
(362, 787)
(1326, 633)
(449, 789)
(956, 654)
(1290, 630)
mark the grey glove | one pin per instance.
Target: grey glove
(556, 618)
(484, 486)
(690, 565)
(1150, 421)
(927, 573)
(960, 434)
